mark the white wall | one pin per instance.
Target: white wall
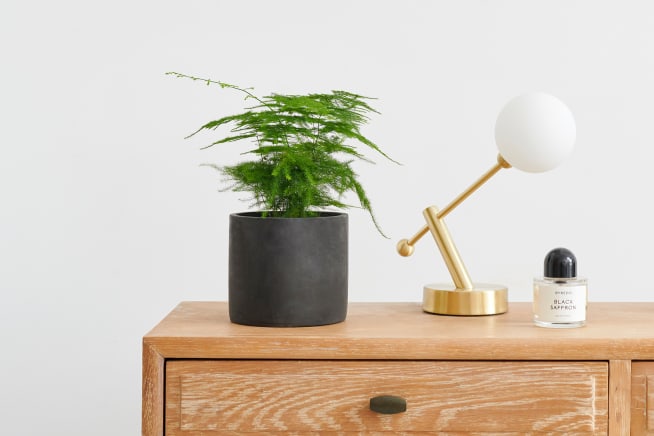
(106, 220)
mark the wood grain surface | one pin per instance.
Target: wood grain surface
(642, 398)
(503, 364)
(621, 331)
(211, 397)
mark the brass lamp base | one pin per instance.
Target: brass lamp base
(482, 299)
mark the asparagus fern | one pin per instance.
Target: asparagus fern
(303, 156)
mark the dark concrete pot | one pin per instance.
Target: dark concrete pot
(288, 272)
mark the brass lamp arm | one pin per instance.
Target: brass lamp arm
(406, 246)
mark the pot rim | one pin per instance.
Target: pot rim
(257, 215)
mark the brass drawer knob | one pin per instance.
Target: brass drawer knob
(388, 404)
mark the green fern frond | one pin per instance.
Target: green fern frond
(300, 142)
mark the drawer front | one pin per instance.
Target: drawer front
(642, 398)
(229, 396)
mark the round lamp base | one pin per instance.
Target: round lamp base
(483, 299)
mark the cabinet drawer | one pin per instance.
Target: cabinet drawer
(205, 397)
(642, 398)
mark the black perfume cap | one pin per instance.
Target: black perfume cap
(560, 263)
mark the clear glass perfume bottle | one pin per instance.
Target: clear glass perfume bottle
(560, 297)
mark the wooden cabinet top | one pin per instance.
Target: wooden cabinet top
(402, 331)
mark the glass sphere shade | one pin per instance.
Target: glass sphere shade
(535, 132)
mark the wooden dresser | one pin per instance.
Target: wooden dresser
(425, 374)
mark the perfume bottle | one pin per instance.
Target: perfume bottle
(560, 297)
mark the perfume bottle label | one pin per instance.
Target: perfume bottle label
(560, 303)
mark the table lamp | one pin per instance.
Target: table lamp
(534, 133)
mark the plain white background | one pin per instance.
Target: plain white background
(107, 221)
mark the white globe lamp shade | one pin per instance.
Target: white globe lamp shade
(535, 132)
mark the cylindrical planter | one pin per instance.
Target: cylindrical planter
(288, 272)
